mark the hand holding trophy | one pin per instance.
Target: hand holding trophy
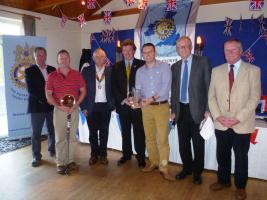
(136, 99)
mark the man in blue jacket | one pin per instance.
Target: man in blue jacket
(97, 105)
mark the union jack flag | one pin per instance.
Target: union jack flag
(107, 62)
(90, 4)
(142, 4)
(64, 19)
(108, 36)
(256, 5)
(228, 26)
(129, 2)
(107, 16)
(92, 38)
(171, 5)
(261, 24)
(249, 56)
(81, 20)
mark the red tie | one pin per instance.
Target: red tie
(231, 77)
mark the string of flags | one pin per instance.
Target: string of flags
(171, 5)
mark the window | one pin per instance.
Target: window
(8, 26)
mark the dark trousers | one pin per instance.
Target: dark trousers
(37, 120)
(226, 140)
(187, 130)
(99, 121)
(129, 117)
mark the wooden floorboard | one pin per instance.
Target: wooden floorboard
(18, 180)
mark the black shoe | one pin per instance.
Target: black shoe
(182, 175)
(141, 164)
(35, 162)
(123, 160)
(197, 179)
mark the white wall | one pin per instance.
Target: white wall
(206, 13)
(68, 38)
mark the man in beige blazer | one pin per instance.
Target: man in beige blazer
(234, 93)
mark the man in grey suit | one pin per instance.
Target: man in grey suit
(189, 106)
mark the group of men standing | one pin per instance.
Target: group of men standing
(229, 94)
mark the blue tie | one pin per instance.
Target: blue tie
(184, 82)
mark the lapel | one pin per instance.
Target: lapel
(178, 79)
(106, 79)
(225, 76)
(93, 78)
(123, 70)
(38, 71)
(241, 72)
(193, 71)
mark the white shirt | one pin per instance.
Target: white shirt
(100, 95)
(44, 72)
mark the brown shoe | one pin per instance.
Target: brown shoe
(61, 169)
(240, 194)
(166, 174)
(93, 160)
(219, 186)
(149, 168)
(73, 166)
(103, 160)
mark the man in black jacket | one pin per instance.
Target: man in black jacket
(123, 81)
(38, 107)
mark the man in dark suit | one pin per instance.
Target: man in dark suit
(40, 110)
(123, 81)
(189, 106)
(97, 105)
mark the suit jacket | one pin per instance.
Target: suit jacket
(119, 79)
(89, 75)
(35, 83)
(199, 81)
(243, 99)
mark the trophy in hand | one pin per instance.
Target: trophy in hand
(67, 100)
(136, 99)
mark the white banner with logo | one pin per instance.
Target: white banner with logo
(18, 55)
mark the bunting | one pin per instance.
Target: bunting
(81, 20)
(107, 17)
(228, 26)
(256, 5)
(142, 4)
(64, 20)
(171, 5)
(129, 2)
(90, 4)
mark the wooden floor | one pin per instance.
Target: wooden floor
(18, 180)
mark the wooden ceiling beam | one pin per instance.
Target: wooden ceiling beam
(207, 2)
(44, 4)
(117, 13)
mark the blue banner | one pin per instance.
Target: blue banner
(18, 56)
(162, 28)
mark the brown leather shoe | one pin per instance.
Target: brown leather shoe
(149, 168)
(103, 160)
(93, 160)
(219, 186)
(73, 166)
(166, 174)
(61, 169)
(240, 194)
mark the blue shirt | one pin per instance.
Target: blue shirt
(236, 68)
(189, 63)
(154, 81)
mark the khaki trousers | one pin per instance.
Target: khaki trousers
(60, 125)
(156, 125)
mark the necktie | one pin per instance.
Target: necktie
(128, 70)
(231, 77)
(184, 86)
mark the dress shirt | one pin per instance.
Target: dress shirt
(189, 63)
(154, 81)
(100, 95)
(236, 68)
(44, 72)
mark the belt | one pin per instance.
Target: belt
(184, 104)
(158, 103)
